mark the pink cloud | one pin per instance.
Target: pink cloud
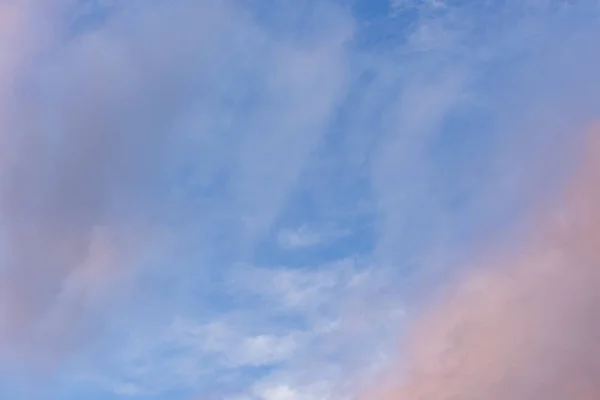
(524, 324)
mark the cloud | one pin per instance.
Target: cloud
(293, 313)
(273, 328)
(96, 132)
(282, 391)
(234, 347)
(72, 154)
(153, 147)
(521, 324)
(305, 236)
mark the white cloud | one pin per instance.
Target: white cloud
(232, 346)
(300, 289)
(284, 392)
(306, 236)
(294, 322)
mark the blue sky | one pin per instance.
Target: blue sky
(248, 200)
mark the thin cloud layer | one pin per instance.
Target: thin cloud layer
(82, 127)
(524, 322)
(100, 125)
(156, 154)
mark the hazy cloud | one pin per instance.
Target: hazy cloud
(523, 322)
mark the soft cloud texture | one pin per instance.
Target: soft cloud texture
(523, 323)
(117, 136)
(90, 126)
(243, 199)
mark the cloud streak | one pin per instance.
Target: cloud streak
(77, 152)
(99, 126)
(166, 147)
(522, 324)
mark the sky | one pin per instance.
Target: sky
(299, 200)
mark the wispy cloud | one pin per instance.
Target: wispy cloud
(89, 134)
(521, 324)
(167, 165)
(305, 236)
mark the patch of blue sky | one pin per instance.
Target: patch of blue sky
(90, 14)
